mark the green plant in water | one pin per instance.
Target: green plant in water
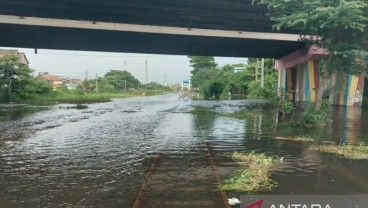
(256, 175)
(287, 106)
(314, 118)
(354, 152)
(283, 104)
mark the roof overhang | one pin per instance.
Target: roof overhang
(300, 56)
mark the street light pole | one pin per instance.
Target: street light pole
(9, 77)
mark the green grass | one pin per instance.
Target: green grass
(255, 176)
(77, 98)
(353, 152)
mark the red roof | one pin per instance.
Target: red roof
(53, 78)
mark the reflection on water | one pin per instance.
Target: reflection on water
(98, 157)
(304, 171)
(348, 123)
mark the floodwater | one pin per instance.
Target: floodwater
(52, 156)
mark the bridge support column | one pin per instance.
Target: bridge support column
(346, 89)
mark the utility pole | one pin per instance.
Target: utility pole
(165, 80)
(96, 84)
(125, 85)
(262, 73)
(146, 72)
(124, 65)
(86, 74)
(257, 66)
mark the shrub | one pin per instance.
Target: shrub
(313, 118)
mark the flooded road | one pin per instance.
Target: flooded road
(51, 156)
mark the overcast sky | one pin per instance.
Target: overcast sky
(74, 64)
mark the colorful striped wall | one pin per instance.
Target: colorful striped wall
(301, 81)
(346, 89)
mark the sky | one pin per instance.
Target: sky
(81, 64)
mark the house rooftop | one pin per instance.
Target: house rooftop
(21, 56)
(48, 77)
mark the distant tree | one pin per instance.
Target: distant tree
(254, 89)
(199, 63)
(104, 86)
(337, 25)
(211, 82)
(154, 86)
(216, 87)
(118, 79)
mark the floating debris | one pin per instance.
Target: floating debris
(233, 201)
(78, 106)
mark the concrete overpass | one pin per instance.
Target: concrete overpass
(184, 27)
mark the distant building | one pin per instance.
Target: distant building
(54, 80)
(73, 81)
(22, 59)
(238, 69)
(72, 84)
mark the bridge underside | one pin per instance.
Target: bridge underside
(133, 42)
(238, 16)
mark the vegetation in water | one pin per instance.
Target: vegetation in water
(312, 118)
(298, 138)
(354, 152)
(255, 176)
(315, 118)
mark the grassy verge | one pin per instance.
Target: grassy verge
(145, 92)
(353, 152)
(76, 98)
(256, 174)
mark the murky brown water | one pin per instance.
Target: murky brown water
(99, 157)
